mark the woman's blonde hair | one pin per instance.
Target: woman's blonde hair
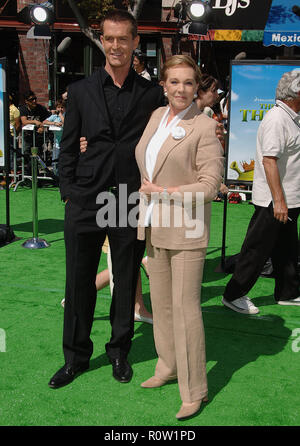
(180, 59)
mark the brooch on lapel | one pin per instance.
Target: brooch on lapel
(178, 132)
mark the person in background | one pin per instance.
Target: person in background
(57, 119)
(272, 231)
(208, 97)
(208, 94)
(14, 117)
(33, 113)
(179, 155)
(15, 128)
(140, 65)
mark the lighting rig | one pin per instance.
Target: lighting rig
(193, 16)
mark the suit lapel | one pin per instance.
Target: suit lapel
(187, 124)
(147, 135)
(138, 90)
(96, 95)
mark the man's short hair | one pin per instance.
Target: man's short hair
(120, 15)
(288, 86)
(28, 94)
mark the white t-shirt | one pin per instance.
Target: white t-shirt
(146, 75)
(278, 136)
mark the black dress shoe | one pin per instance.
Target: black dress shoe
(122, 370)
(66, 374)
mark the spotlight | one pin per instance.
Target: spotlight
(42, 14)
(39, 15)
(199, 10)
(196, 10)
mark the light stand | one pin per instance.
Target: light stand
(35, 242)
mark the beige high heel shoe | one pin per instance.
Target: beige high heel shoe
(153, 382)
(189, 409)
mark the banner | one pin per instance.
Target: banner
(283, 25)
(239, 14)
(252, 95)
(2, 126)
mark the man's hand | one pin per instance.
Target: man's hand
(281, 211)
(274, 182)
(83, 144)
(40, 129)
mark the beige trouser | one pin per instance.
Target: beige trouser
(175, 286)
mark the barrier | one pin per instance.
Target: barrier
(35, 242)
(47, 174)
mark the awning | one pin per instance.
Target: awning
(283, 25)
(230, 35)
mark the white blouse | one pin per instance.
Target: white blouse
(154, 147)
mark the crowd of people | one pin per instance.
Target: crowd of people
(160, 140)
(35, 120)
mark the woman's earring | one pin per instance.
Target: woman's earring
(195, 95)
(166, 93)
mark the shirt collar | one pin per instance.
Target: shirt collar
(107, 80)
(281, 104)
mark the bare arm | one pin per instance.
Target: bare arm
(26, 121)
(273, 179)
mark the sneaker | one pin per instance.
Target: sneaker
(295, 301)
(140, 318)
(241, 305)
(63, 303)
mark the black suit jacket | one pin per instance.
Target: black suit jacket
(84, 175)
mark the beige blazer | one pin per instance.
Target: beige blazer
(194, 163)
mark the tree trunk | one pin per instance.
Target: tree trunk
(135, 10)
(87, 30)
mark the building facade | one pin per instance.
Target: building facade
(37, 64)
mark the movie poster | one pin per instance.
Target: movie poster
(2, 88)
(252, 95)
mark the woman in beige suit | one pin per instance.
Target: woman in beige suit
(181, 164)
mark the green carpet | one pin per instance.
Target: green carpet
(252, 368)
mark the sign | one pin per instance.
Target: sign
(283, 25)
(252, 95)
(239, 14)
(2, 111)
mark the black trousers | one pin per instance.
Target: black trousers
(266, 237)
(83, 241)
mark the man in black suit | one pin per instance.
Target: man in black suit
(111, 109)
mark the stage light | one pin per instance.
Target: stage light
(39, 15)
(42, 14)
(199, 10)
(196, 10)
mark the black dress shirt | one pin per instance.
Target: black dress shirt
(116, 98)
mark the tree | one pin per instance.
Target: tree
(86, 11)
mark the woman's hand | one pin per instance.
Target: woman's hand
(148, 188)
(83, 144)
(220, 132)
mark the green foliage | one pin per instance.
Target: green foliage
(94, 9)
